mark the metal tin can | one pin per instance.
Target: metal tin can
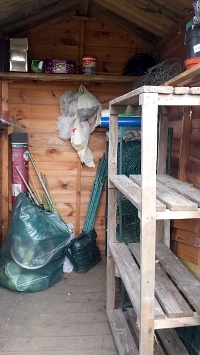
(18, 66)
(19, 56)
(89, 64)
(19, 44)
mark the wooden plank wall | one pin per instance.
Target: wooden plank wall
(175, 44)
(70, 38)
(184, 235)
(36, 106)
(184, 241)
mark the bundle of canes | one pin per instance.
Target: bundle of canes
(43, 183)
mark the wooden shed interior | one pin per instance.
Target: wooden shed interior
(113, 31)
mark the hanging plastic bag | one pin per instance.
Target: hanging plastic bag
(80, 141)
(88, 105)
(68, 102)
(64, 126)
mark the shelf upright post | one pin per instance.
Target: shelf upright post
(149, 103)
(112, 203)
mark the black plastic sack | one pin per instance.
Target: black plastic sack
(34, 237)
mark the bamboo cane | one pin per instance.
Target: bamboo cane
(41, 181)
(27, 186)
(34, 189)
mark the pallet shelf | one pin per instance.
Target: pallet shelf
(163, 293)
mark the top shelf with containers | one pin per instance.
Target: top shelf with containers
(19, 76)
(54, 69)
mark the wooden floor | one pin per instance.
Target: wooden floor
(66, 319)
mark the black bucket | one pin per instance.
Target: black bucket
(193, 38)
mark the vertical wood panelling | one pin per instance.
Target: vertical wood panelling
(73, 37)
(36, 106)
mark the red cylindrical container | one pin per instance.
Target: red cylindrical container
(19, 142)
(89, 64)
(5, 115)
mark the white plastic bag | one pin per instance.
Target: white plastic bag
(64, 126)
(68, 102)
(88, 105)
(79, 141)
(67, 265)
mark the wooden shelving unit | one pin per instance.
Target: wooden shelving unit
(164, 294)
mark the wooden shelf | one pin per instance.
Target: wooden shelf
(67, 77)
(173, 197)
(172, 309)
(163, 293)
(190, 77)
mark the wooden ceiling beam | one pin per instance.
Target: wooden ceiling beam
(21, 23)
(144, 19)
(103, 14)
(83, 6)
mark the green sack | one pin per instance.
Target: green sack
(34, 237)
(16, 278)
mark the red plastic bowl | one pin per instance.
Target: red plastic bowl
(190, 62)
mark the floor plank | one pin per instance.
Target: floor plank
(69, 318)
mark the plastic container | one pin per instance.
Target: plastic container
(193, 39)
(5, 115)
(37, 66)
(190, 62)
(83, 251)
(89, 65)
(19, 152)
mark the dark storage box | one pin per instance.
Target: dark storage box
(53, 66)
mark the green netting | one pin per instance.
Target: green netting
(190, 337)
(131, 164)
(131, 158)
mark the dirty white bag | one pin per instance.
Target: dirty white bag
(68, 102)
(64, 126)
(80, 141)
(88, 105)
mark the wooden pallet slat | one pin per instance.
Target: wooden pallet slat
(121, 333)
(173, 200)
(184, 279)
(187, 75)
(167, 337)
(171, 342)
(132, 191)
(181, 187)
(133, 319)
(130, 275)
(166, 293)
